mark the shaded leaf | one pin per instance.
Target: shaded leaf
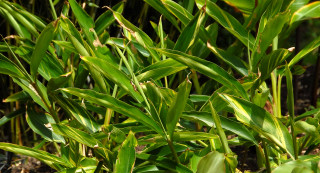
(79, 113)
(106, 18)
(40, 123)
(11, 115)
(164, 163)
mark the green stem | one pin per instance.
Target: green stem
(160, 29)
(279, 97)
(175, 156)
(54, 14)
(304, 143)
(220, 131)
(135, 80)
(109, 111)
(266, 155)
(46, 102)
(202, 143)
(196, 81)
(274, 93)
(275, 43)
(295, 145)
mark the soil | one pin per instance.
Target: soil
(22, 164)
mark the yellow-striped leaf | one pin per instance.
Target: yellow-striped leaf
(261, 121)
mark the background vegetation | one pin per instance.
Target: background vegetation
(160, 85)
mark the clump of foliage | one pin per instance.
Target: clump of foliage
(111, 96)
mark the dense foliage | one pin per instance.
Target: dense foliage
(158, 85)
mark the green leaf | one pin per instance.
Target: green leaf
(126, 155)
(11, 115)
(245, 6)
(272, 61)
(176, 109)
(207, 68)
(232, 60)
(140, 36)
(42, 44)
(106, 18)
(307, 49)
(266, 35)
(116, 105)
(41, 124)
(43, 156)
(77, 135)
(290, 97)
(19, 28)
(261, 121)
(66, 45)
(85, 21)
(297, 4)
(113, 73)
(307, 128)
(79, 113)
(9, 68)
(157, 5)
(308, 11)
(181, 13)
(34, 94)
(18, 96)
(164, 163)
(22, 20)
(178, 137)
(160, 69)
(226, 123)
(57, 82)
(214, 162)
(227, 21)
(189, 33)
(294, 166)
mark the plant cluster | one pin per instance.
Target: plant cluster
(107, 95)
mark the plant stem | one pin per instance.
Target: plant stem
(46, 102)
(202, 143)
(54, 14)
(266, 155)
(173, 151)
(306, 140)
(274, 94)
(109, 111)
(221, 133)
(279, 96)
(135, 80)
(196, 81)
